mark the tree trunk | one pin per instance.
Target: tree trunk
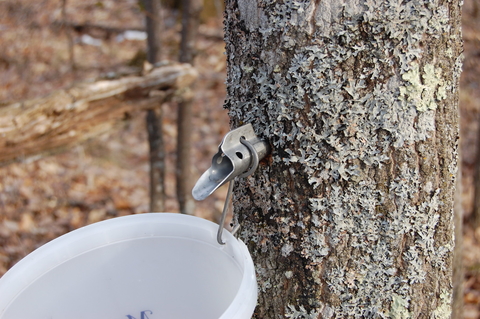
(154, 30)
(190, 23)
(157, 160)
(352, 215)
(154, 117)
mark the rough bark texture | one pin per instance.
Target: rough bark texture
(352, 215)
(190, 23)
(67, 117)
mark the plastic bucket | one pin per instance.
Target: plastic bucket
(148, 266)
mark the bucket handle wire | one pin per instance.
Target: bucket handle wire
(228, 198)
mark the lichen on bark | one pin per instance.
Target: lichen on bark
(351, 216)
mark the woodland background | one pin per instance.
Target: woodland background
(47, 45)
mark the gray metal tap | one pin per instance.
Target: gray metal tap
(238, 155)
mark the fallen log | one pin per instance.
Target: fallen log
(66, 117)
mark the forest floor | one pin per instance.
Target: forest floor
(107, 176)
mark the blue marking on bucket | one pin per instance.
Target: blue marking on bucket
(143, 315)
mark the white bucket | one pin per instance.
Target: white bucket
(148, 266)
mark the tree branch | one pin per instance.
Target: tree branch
(66, 117)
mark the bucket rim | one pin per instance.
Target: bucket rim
(94, 236)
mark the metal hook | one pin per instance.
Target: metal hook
(253, 168)
(224, 212)
(238, 155)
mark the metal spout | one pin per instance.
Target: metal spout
(238, 154)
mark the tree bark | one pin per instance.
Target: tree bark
(352, 215)
(190, 23)
(67, 117)
(153, 118)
